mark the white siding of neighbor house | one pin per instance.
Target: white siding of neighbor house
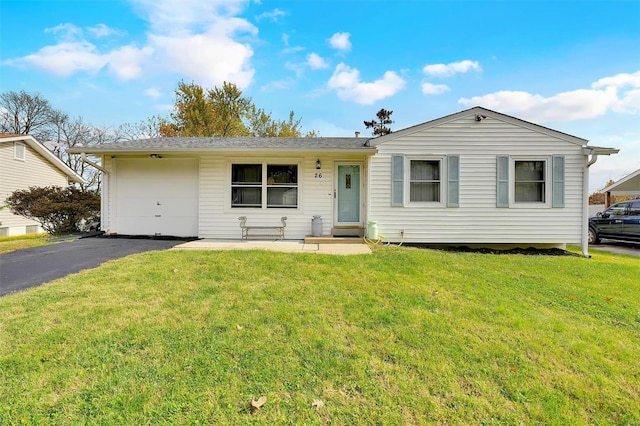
(477, 219)
(35, 170)
(315, 195)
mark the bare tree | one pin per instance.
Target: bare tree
(31, 114)
(26, 114)
(143, 129)
(73, 133)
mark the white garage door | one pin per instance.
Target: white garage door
(156, 196)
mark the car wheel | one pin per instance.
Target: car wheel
(593, 236)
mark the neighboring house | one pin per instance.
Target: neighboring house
(628, 185)
(25, 162)
(474, 177)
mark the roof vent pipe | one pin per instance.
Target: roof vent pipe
(357, 134)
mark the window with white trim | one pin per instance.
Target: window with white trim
(530, 181)
(262, 185)
(19, 151)
(425, 180)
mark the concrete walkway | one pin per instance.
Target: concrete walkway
(284, 246)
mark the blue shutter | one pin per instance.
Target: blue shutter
(557, 186)
(502, 183)
(397, 180)
(453, 181)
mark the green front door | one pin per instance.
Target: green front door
(348, 194)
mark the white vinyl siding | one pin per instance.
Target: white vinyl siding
(479, 217)
(35, 170)
(315, 195)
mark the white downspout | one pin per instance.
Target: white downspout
(585, 201)
(84, 158)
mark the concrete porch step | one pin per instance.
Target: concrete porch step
(329, 239)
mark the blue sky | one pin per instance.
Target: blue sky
(572, 65)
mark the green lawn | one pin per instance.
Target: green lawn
(402, 336)
(20, 242)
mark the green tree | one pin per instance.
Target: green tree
(59, 210)
(224, 111)
(379, 126)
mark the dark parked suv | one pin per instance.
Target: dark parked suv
(621, 221)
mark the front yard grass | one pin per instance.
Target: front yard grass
(402, 336)
(20, 242)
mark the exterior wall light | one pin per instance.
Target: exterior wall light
(318, 164)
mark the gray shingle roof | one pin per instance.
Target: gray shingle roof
(194, 144)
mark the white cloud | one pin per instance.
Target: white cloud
(126, 62)
(567, 106)
(619, 80)
(316, 62)
(448, 70)
(64, 58)
(208, 59)
(628, 85)
(178, 17)
(65, 31)
(101, 30)
(607, 94)
(153, 93)
(346, 82)
(434, 89)
(272, 16)
(340, 41)
(193, 38)
(277, 86)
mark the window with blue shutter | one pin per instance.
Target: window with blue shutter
(502, 181)
(557, 181)
(397, 180)
(453, 181)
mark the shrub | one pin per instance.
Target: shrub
(59, 210)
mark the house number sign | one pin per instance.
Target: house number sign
(318, 176)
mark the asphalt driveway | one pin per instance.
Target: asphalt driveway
(619, 247)
(31, 267)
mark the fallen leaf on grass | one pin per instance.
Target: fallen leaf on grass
(175, 270)
(318, 404)
(239, 327)
(255, 405)
(608, 299)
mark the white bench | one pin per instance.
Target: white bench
(278, 228)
